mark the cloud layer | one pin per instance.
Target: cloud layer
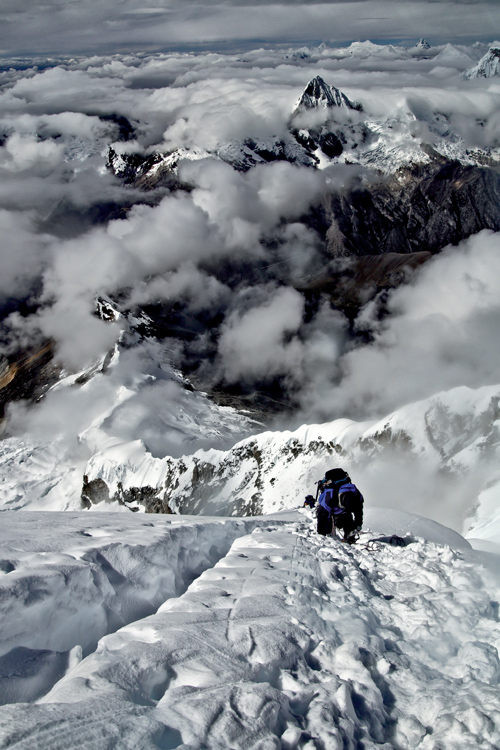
(59, 26)
(224, 259)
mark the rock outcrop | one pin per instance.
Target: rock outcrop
(418, 210)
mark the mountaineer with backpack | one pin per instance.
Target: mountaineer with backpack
(340, 505)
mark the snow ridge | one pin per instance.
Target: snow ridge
(454, 433)
(82, 577)
(291, 641)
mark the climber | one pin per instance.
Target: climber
(340, 505)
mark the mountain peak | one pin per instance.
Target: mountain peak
(422, 44)
(318, 94)
(488, 66)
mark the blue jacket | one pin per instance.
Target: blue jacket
(342, 497)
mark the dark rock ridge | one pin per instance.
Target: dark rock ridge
(422, 44)
(416, 210)
(27, 375)
(96, 491)
(328, 137)
(352, 282)
(320, 94)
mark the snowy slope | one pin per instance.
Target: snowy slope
(488, 66)
(44, 470)
(440, 454)
(290, 641)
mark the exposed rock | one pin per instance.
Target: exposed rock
(351, 282)
(423, 210)
(422, 44)
(274, 470)
(94, 491)
(319, 94)
(126, 131)
(27, 376)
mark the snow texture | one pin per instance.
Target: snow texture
(290, 640)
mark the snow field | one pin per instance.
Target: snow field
(293, 641)
(67, 579)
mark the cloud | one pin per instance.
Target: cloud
(23, 254)
(442, 332)
(267, 337)
(133, 400)
(92, 26)
(259, 344)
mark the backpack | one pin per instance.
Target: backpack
(351, 500)
(343, 497)
(348, 496)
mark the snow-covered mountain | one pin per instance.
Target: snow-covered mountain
(319, 94)
(487, 67)
(448, 444)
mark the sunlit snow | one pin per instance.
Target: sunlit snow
(286, 640)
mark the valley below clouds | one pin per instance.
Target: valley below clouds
(202, 246)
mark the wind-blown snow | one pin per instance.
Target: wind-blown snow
(290, 641)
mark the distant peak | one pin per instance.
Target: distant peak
(318, 94)
(423, 44)
(488, 66)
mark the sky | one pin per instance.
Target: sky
(83, 26)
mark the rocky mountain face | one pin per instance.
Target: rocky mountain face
(420, 209)
(27, 376)
(319, 94)
(487, 67)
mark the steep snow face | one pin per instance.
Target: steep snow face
(289, 641)
(438, 454)
(319, 94)
(487, 67)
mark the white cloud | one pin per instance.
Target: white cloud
(259, 344)
(443, 332)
